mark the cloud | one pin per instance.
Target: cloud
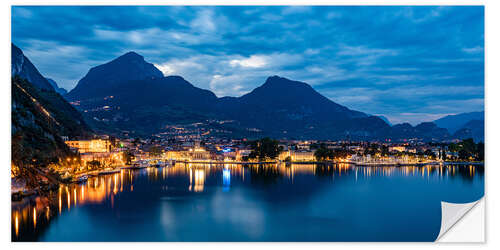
(414, 118)
(408, 63)
(47, 56)
(22, 12)
(296, 10)
(254, 61)
(346, 50)
(204, 21)
(474, 50)
(166, 69)
(333, 15)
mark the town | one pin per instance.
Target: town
(107, 153)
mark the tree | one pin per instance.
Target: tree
(430, 154)
(94, 164)
(384, 150)
(442, 154)
(155, 151)
(136, 141)
(323, 153)
(341, 153)
(372, 149)
(265, 148)
(127, 156)
(463, 154)
(453, 147)
(468, 150)
(480, 151)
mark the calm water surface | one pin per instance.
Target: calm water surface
(251, 203)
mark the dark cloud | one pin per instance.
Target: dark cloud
(407, 63)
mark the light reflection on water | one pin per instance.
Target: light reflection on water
(32, 218)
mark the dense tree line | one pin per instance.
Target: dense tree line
(323, 153)
(265, 148)
(468, 150)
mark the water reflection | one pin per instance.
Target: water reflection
(226, 179)
(31, 217)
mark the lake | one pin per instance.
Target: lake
(197, 202)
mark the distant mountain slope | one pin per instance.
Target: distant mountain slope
(23, 67)
(286, 108)
(40, 117)
(128, 67)
(455, 122)
(385, 119)
(147, 105)
(426, 131)
(53, 83)
(473, 129)
(129, 94)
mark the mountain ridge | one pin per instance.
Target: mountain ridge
(22, 66)
(127, 67)
(59, 90)
(457, 121)
(279, 107)
(39, 119)
(473, 129)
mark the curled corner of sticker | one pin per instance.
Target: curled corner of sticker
(451, 213)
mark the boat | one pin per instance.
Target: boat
(163, 163)
(81, 179)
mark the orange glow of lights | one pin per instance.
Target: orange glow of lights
(17, 223)
(34, 216)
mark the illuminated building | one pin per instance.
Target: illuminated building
(397, 148)
(178, 155)
(200, 154)
(90, 146)
(242, 153)
(193, 154)
(297, 155)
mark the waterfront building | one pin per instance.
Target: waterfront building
(192, 154)
(242, 153)
(90, 146)
(306, 145)
(200, 154)
(397, 148)
(297, 155)
(102, 157)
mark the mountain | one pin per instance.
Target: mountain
(40, 117)
(385, 119)
(138, 100)
(456, 122)
(128, 67)
(427, 131)
(286, 108)
(473, 129)
(39, 120)
(53, 83)
(23, 67)
(147, 105)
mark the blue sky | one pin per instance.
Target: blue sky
(410, 64)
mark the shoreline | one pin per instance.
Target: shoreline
(335, 162)
(20, 195)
